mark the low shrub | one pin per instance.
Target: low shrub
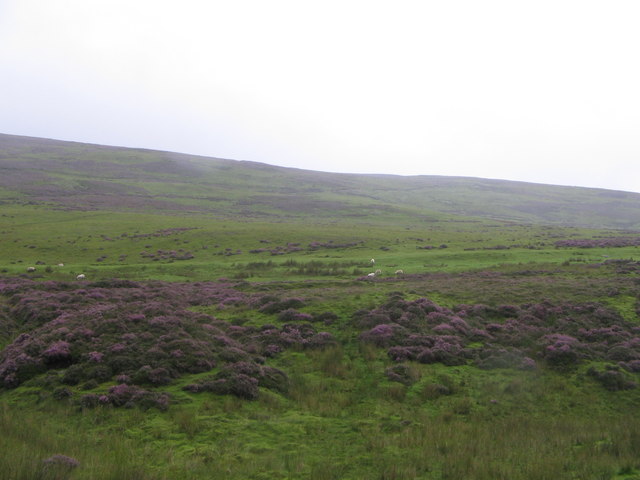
(612, 379)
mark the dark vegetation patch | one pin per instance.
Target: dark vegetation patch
(599, 242)
(292, 247)
(142, 334)
(558, 336)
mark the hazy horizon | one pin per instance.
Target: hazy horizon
(542, 93)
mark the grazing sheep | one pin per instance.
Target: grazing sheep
(31, 269)
(373, 261)
(61, 264)
(80, 277)
(399, 272)
(372, 274)
(378, 272)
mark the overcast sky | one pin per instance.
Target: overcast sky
(540, 91)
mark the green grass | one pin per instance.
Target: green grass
(32, 234)
(341, 421)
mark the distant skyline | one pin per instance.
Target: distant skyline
(544, 92)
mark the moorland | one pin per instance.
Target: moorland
(238, 320)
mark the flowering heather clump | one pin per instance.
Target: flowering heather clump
(612, 379)
(402, 373)
(277, 306)
(129, 396)
(625, 351)
(384, 335)
(402, 354)
(292, 315)
(313, 246)
(59, 352)
(120, 324)
(520, 337)
(242, 379)
(326, 317)
(270, 340)
(143, 335)
(60, 463)
(599, 242)
(632, 366)
(447, 353)
(561, 350)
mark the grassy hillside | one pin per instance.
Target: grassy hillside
(231, 323)
(82, 176)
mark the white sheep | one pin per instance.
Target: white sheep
(399, 272)
(80, 277)
(31, 269)
(61, 264)
(378, 272)
(372, 274)
(373, 261)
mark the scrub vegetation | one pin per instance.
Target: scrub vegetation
(237, 320)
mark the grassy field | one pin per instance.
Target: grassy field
(209, 343)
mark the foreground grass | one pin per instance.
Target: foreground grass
(321, 433)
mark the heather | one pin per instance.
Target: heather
(329, 380)
(557, 336)
(139, 335)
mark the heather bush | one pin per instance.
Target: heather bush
(242, 379)
(446, 353)
(632, 366)
(292, 315)
(128, 396)
(402, 373)
(625, 351)
(433, 391)
(327, 318)
(98, 373)
(277, 305)
(146, 375)
(560, 350)
(114, 327)
(556, 335)
(612, 378)
(320, 340)
(402, 354)
(384, 335)
(238, 384)
(90, 385)
(73, 375)
(58, 467)
(232, 354)
(61, 393)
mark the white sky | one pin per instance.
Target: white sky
(544, 91)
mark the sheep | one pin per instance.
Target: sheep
(61, 264)
(80, 277)
(31, 269)
(372, 274)
(373, 261)
(399, 272)
(378, 272)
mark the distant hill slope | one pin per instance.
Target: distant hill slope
(92, 177)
